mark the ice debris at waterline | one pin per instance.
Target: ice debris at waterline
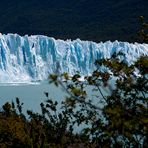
(33, 58)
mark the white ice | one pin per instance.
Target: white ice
(33, 58)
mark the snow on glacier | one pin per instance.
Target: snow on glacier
(33, 58)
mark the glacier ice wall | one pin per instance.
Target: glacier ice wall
(32, 58)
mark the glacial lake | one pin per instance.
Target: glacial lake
(33, 94)
(30, 94)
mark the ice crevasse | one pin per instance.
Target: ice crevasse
(33, 58)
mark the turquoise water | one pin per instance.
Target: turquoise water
(30, 94)
(33, 94)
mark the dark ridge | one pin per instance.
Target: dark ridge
(97, 20)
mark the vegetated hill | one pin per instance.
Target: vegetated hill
(97, 20)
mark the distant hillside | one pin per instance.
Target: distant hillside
(97, 20)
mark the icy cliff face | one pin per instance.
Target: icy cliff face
(32, 58)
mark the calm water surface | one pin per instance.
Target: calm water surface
(33, 95)
(30, 94)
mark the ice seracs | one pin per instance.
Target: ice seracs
(33, 58)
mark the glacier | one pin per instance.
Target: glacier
(32, 58)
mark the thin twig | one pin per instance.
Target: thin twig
(102, 94)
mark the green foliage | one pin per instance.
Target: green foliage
(122, 121)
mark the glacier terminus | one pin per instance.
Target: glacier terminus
(32, 58)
